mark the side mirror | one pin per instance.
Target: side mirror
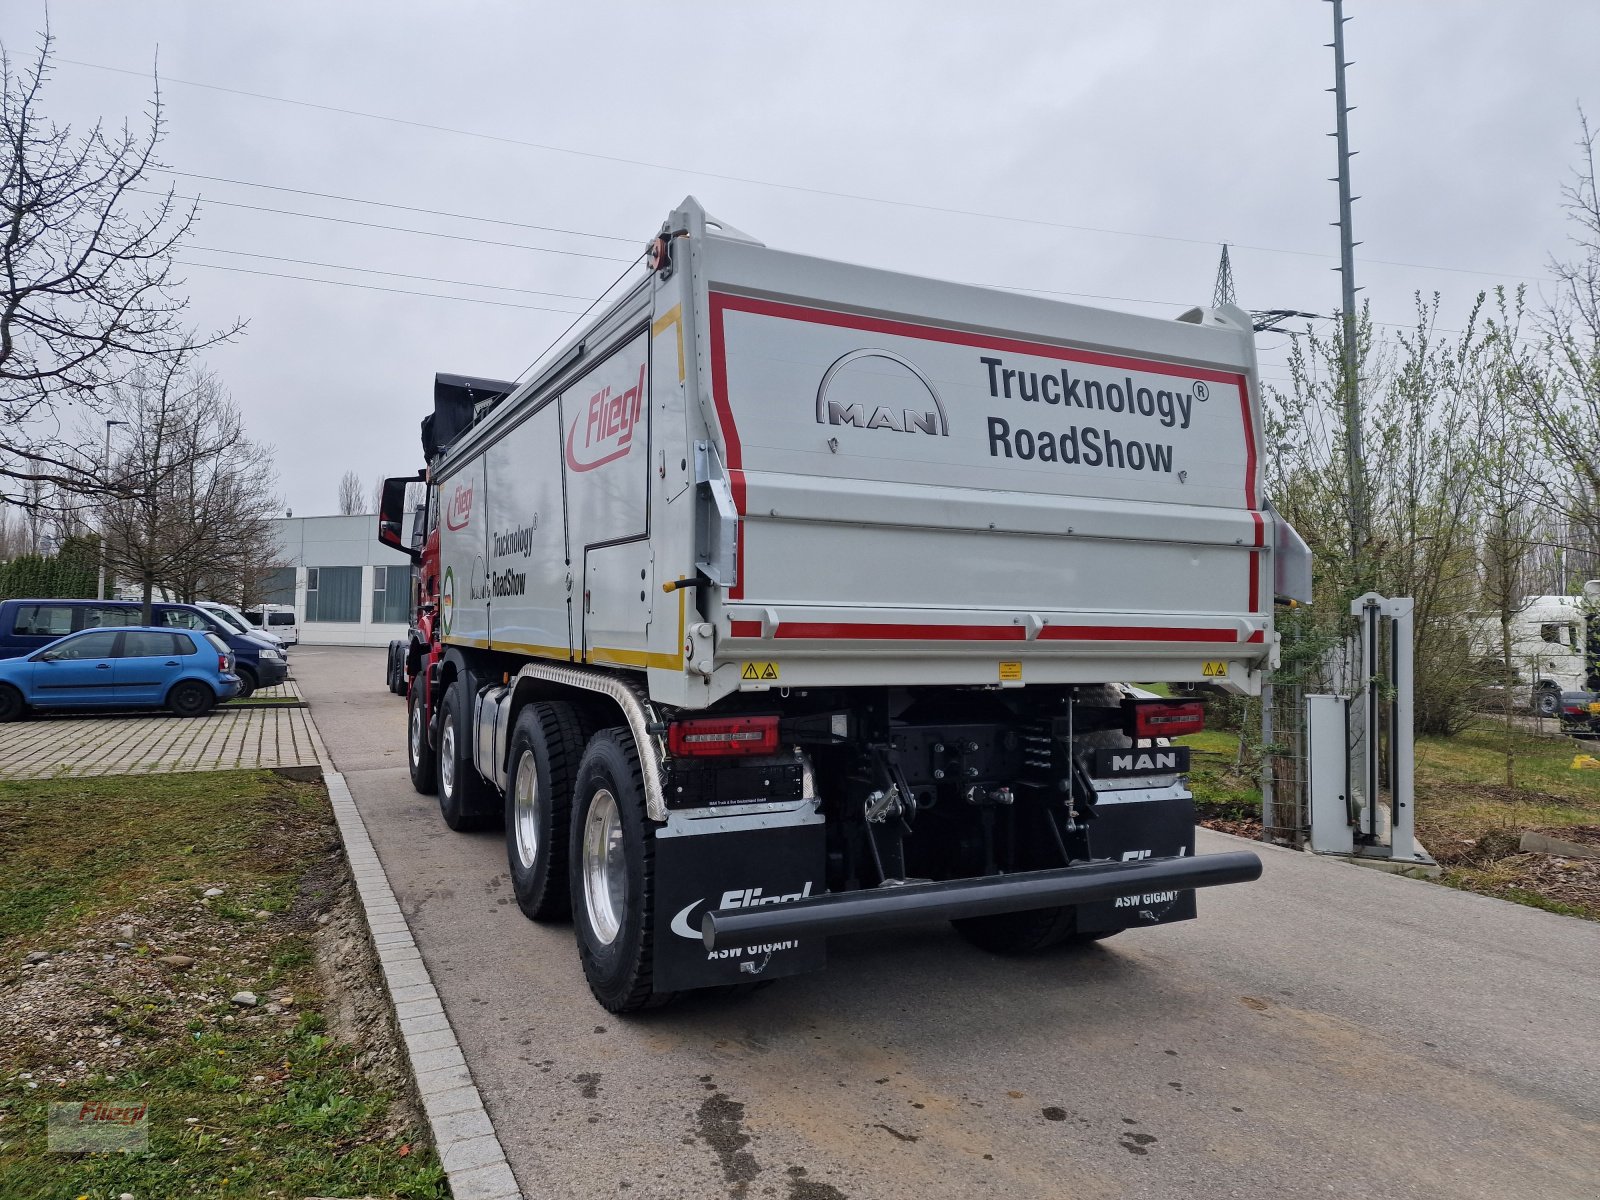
(392, 515)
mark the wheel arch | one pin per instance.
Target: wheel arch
(608, 699)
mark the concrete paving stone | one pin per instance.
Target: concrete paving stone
(458, 1127)
(494, 1182)
(454, 1100)
(418, 1008)
(416, 991)
(436, 1039)
(443, 1080)
(417, 1024)
(406, 974)
(471, 1153)
(399, 954)
(437, 1060)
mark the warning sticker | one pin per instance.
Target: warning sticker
(1010, 672)
(1215, 670)
(759, 672)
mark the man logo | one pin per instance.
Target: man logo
(898, 418)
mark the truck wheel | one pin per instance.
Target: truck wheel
(1021, 932)
(1546, 700)
(546, 747)
(1027, 932)
(419, 754)
(612, 875)
(464, 800)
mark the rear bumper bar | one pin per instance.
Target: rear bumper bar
(907, 904)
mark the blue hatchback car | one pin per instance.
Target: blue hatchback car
(189, 671)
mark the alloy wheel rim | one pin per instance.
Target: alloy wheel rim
(605, 880)
(447, 756)
(525, 802)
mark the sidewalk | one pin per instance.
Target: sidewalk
(45, 747)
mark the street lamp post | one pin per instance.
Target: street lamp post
(100, 587)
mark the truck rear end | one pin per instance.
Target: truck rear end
(797, 598)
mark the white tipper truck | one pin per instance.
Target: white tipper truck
(795, 598)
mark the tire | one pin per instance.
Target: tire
(1547, 701)
(465, 801)
(247, 681)
(546, 746)
(397, 668)
(419, 754)
(1026, 932)
(12, 705)
(613, 911)
(191, 698)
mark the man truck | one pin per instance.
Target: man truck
(793, 598)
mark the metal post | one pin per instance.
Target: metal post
(1269, 819)
(1350, 384)
(100, 585)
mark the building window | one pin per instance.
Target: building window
(391, 595)
(333, 594)
(277, 586)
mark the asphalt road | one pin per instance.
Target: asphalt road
(1328, 1030)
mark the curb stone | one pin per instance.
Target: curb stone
(470, 1151)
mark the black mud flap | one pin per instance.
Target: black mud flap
(1124, 831)
(739, 868)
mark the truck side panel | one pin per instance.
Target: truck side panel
(530, 576)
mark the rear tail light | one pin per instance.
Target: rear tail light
(722, 736)
(224, 663)
(1162, 718)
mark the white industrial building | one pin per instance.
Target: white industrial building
(347, 590)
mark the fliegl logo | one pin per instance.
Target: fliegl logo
(459, 511)
(737, 898)
(833, 410)
(602, 431)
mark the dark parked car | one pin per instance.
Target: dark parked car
(187, 670)
(28, 625)
(1580, 712)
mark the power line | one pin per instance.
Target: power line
(306, 262)
(793, 187)
(454, 237)
(431, 212)
(370, 287)
(555, 341)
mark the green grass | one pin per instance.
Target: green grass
(1466, 815)
(243, 1105)
(1220, 793)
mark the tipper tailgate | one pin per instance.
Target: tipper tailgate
(950, 467)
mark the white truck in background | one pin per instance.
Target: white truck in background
(1554, 643)
(792, 598)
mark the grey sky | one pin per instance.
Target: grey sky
(1190, 121)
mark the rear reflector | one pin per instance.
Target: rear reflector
(1162, 718)
(721, 736)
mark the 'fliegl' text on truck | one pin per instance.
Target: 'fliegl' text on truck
(794, 598)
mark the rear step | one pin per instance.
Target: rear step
(907, 904)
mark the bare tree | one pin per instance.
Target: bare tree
(352, 499)
(376, 497)
(1564, 403)
(87, 289)
(194, 501)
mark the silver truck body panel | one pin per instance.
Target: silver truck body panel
(929, 483)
